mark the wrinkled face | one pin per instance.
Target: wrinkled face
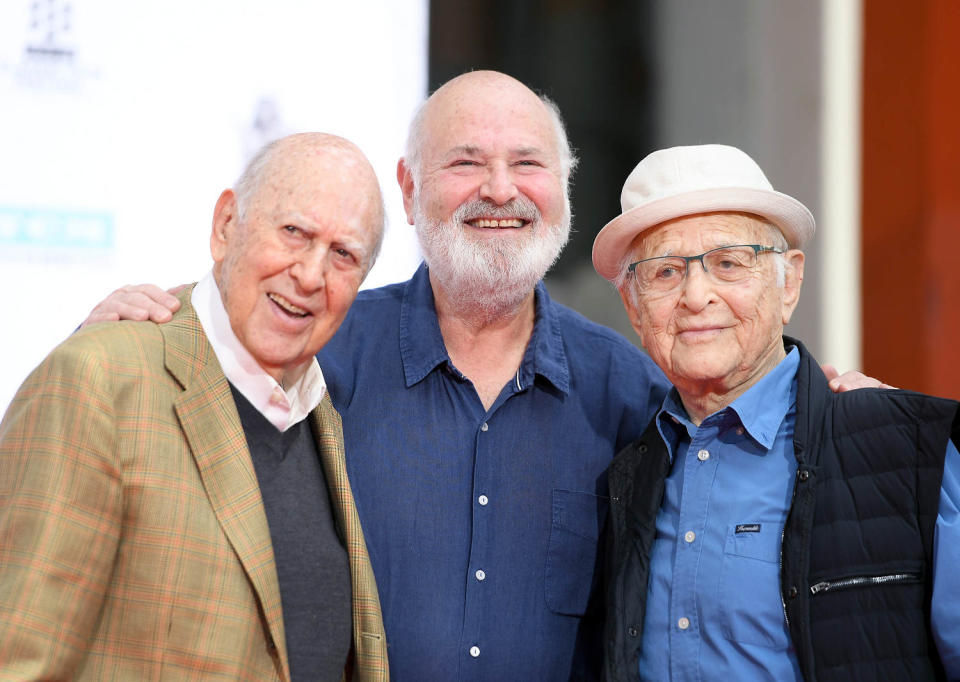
(289, 269)
(490, 208)
(714, 337)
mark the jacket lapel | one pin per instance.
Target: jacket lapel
(212, 428)
(368, 633)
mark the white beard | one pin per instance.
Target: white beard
(493, 274)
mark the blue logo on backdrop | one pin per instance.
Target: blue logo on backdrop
(54, 234)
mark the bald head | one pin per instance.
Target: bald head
(467, 92)
(291, 244)
(485, 184)
(316, 154)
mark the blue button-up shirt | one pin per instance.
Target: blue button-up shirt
(482, 525)
(714, 609)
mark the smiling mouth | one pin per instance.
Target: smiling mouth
(699, 332)
(288, 307)
(503, 223)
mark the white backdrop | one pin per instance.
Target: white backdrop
(121, 122)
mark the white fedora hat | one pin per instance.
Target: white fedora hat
(672, 183)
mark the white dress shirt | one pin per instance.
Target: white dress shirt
(282, 407)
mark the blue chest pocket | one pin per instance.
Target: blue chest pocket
(572, 552)
(749, 586)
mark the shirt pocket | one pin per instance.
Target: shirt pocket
(752, 608)
(572, 549)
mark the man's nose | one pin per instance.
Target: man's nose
(310, 269)
(697, 288)
(498, 186)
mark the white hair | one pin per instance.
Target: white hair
(495, 274)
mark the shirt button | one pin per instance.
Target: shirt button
(474, 651)
(277, 397)
(484, 427)
(483, 500)
(703, 455)
(683, 623)
(739, 430)
(480, 575)
(689, 536)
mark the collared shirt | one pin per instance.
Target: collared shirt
(482, 525)
(714, 609)
(282, 408)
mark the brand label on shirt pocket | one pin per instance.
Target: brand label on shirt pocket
(572, 553)
(749, 586)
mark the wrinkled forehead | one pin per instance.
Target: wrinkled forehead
(488, 119)
(693, 234)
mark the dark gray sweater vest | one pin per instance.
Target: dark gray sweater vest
(311, 560)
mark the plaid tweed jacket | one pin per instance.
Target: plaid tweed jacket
(133, 539)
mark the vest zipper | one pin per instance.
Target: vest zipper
(845, 583)
(783, 535)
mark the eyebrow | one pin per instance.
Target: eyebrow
(473, 150)
(468, 149)
(528, 151)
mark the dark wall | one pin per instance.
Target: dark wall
(591, 58)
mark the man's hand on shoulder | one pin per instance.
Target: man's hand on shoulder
(849, 381)
(136, 302)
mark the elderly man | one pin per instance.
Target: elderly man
(173, 499)
(480, 416)
(763, 527)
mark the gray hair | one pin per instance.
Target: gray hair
(413, 154)
(252, 176)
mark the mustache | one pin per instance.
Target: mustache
(521, 207)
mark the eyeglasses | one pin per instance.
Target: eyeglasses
(724, 265)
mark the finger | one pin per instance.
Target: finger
(830, 372)
(151, 292)
(140, 309)
(176, 290)
(849, 381)
(96, 316)
(137, 303)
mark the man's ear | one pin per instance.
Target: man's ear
(407, 188)
(631, 306)
(225, 220)
(793, 279)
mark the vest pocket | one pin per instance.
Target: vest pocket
(853, 582)
(752, 612)
(572, 550)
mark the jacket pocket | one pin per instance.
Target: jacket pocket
(749, 586)
(572, 549)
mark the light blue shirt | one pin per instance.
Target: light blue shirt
(714, 609)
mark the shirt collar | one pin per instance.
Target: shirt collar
(760, 410)
(764, 405)
(422, 348)
(282, 408)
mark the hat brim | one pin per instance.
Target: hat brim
(789, 215)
